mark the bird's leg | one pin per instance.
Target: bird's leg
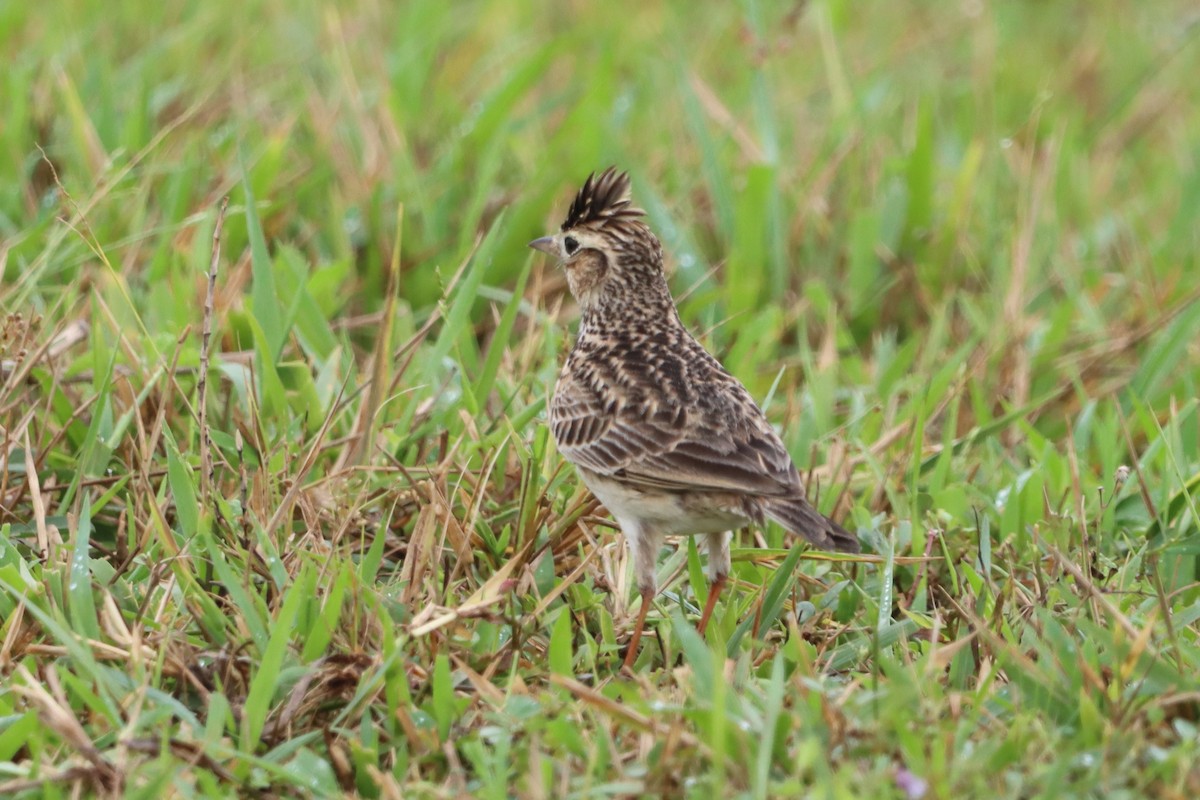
(632, 651)
(643, 546)
(718, 571)
(714, 591)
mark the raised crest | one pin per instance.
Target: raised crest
(603, 197)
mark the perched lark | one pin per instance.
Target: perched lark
(662, 434)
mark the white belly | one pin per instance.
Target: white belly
(667, 512)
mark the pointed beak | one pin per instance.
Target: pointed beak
(546, 245)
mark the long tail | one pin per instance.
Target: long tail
(799, 517)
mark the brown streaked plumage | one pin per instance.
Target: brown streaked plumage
(662, 434)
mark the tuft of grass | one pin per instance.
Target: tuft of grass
(279, 512)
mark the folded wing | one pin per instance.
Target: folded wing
(718, 441)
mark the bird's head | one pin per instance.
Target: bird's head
(609, 254)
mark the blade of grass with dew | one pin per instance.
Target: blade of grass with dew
(183, 489)
(262, 290)
(252, 614)
(886, 581)
(561, 653)
(773, 705)
(320, 633)
(272, 399)
(781, 582)
(844, 656)
(502, 334)
(441, 704)
(696, 577)
(264, 683)
(82, 605)
(455, 325)
(1166, 353)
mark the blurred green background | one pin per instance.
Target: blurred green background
(884, 152)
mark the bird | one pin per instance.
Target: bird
(661, 433)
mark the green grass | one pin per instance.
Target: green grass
(952, 247)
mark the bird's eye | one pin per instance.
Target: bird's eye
(571, 245)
